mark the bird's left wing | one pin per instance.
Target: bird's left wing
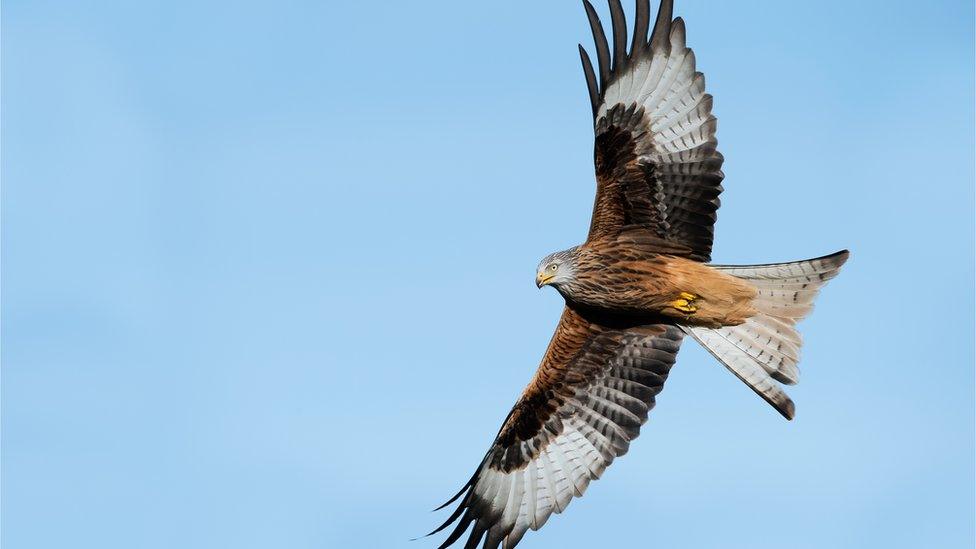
(585, 404)
(657, 166)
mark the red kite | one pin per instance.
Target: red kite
(635, 288)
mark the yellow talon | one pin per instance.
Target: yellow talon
(684, 303)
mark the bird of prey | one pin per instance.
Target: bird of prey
(635, 288)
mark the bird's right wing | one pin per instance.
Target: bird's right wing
(657, 166)
(582, 409)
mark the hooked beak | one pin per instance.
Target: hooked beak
(542, 279)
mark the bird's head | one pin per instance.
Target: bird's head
(556, 268)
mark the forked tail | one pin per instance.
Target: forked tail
(764, 350)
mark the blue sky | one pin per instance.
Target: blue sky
(268, 271)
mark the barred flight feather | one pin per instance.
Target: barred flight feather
(655, 132)
(526, 478)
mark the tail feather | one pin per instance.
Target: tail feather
(811, 270)
(764, 351)
(746, 369)
(772, 349)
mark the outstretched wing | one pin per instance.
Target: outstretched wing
(656, 162)
(585, 404)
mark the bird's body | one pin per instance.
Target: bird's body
(637, 274)
(639, 283)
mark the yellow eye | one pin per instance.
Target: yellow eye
(552, 267)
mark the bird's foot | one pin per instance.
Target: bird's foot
(685, 303)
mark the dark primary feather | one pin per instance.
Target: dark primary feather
(662, 26)
(591, 84)
(600, 39)
(642, 20)
(619, 27)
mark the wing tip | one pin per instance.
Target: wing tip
(660, 36)
(841, 256)
(592, 87)
(788, 409)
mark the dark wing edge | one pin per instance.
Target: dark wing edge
(571, 422)
(655, 152)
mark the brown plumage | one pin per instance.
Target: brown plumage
(635, 272)
(635, 288)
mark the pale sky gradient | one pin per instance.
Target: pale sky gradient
(268, 271)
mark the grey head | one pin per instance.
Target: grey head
(557, 268)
